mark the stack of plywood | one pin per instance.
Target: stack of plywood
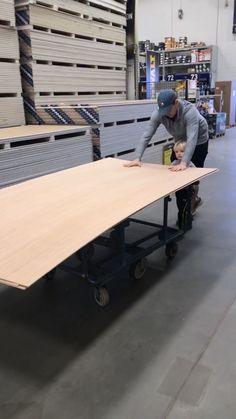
(7, 16)
(116, 127)
(11, 105)
(31, 151)
(72, 52)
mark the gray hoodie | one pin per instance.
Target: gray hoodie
(188, 125)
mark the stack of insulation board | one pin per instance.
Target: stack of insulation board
(31, 151)
(116, 127)
(11, 105)
(72, 52)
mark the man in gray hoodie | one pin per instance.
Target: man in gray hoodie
(183, 121)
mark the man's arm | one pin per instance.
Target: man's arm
(192, 128)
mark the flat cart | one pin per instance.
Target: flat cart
(126, 256)
(46, 220)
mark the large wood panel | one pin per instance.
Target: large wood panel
(45, 220)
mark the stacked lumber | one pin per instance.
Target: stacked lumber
(116, 127)
(7, 16)
(32, 151)
(11, 104)
(72, 52)
(123, 124)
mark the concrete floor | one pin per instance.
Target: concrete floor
(164, 348)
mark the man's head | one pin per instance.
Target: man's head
(168, 103)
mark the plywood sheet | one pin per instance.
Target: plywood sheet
(10, 81)
(9, 46)
(68, 100)
(47, 18)
(35, 131)
(54, 78)
(11, 112)
(7, 11)
(30, 161)
(58, 48)
(119, 138)
(45, 220)
(98, 8)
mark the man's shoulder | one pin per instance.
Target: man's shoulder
(187, 105)
(189, 108)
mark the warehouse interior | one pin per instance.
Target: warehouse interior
(152, 337)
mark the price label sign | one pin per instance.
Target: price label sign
(170, 77)
(193, 76)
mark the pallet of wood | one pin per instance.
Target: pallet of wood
(112, 11)
(72, 52)
(32, 151)
(7, 13)
(116, 127)
(55, 48)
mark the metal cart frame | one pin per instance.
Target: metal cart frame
(128, 258)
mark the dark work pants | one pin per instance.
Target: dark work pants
(183, 197)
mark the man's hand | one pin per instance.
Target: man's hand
(133, 163)
(176, 168)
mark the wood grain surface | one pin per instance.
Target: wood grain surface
(45, 220)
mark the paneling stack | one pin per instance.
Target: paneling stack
(116, 127)
(11, 105)
(72, 51)
(31, 151)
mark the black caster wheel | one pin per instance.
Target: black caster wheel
(50, 275)
(86, 252)
(138, 269)
(171, 250)
(101, 296)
